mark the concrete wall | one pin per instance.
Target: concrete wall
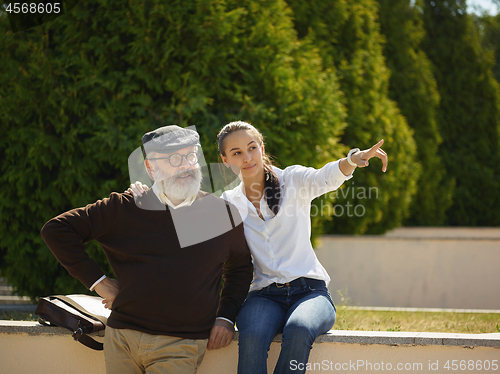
(424, 268)
(27, 348)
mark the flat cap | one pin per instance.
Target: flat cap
(168, 139)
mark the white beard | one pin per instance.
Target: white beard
(176, 188)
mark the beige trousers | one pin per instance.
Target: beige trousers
(135, 352)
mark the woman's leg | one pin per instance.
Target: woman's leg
(258, 322)
(310, 316)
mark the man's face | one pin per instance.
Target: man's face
(163, 162)
(177, 182)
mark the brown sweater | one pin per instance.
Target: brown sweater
(165, 289)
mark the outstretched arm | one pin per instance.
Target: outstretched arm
(361, 159)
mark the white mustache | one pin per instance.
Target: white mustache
(184, 173)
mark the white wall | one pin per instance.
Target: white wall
(425, 268)
(27, 348)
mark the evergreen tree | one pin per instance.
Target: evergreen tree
(491, 39)
(77, 93)
(413, 87)
(347, 34)
(468, 114)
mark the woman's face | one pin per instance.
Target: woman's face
(244, 153)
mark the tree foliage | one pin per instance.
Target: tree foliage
(76, 95)
(491, 39)
(413, 87)
(469, 112)
(347, 34)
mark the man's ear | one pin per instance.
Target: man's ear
(149, 168)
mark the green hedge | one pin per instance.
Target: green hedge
(76, 94)
(469, 112)
(413, 87)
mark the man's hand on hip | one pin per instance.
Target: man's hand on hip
(107, 289)
(221, 334)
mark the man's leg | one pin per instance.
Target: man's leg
(171, 355)
(121, 351)
(259, 320)
(307, 318)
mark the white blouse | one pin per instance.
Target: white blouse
(281, 244)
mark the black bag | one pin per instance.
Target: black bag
(81, 314)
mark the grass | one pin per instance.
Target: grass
(449, 322)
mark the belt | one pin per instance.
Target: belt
(302, 281)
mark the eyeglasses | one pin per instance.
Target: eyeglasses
(176, 159)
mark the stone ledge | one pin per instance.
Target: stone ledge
(28, 308)
(14, 299)
(411, 338)
(412, 309)
(333, 336)
(34, 328)
(379, 238)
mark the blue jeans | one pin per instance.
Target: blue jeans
(302, 313)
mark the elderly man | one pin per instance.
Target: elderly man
(169, 251)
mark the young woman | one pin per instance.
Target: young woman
(289, 291)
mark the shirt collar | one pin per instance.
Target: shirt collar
(165, 200)
(239, 190)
